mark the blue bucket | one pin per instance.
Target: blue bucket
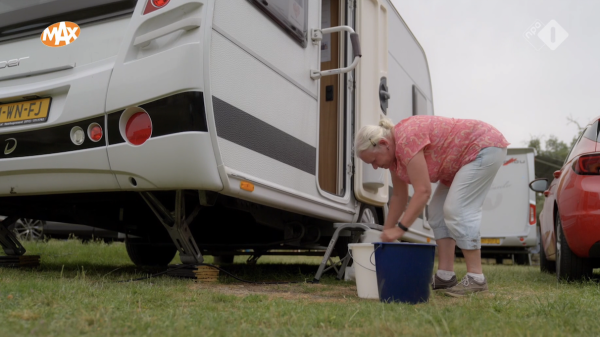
(404, 271)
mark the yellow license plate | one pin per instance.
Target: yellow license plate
(28, 112)
(490, 241)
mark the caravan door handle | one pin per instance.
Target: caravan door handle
(317, 36)
(185, 24)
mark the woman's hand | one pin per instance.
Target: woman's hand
(391, 234)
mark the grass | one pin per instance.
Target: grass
(75, 292)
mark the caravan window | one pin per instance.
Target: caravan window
(291, 15)
(19, 18)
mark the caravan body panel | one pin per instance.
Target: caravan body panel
(508, 205)
(228, 90)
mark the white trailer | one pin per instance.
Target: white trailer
(208, 120)
(509, 221)
(508, 227)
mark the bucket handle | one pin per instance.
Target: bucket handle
(370, 259)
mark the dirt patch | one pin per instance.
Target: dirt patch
(25, 315)
(303, 291)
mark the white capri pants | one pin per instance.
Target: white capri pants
(455, 211)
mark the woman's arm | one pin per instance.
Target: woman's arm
(398, 202)
(419, 178)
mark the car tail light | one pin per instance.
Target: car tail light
(95, 132)
(153, 5)
(532, 217)
(587, 165)
(138, 128)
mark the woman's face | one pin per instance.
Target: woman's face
(380, 156)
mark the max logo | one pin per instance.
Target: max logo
(60, 34)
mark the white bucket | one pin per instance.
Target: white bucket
(366, 277)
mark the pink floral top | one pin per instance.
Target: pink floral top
(447, 143)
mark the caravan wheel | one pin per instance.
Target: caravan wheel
(368, 214)
(521, 259)
(146, 254)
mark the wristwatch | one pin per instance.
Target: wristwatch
(402, 227)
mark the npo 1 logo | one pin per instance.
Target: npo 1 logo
(551, 35)
(60, 34)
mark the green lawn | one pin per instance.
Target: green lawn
(75, 292)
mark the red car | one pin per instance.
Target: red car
(570, 220)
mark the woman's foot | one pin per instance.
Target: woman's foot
(468, 285)
(438, 283)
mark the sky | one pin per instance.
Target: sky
(483, 67)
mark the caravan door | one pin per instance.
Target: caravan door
(370, 186)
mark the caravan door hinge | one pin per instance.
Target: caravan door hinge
(351, 4)
(350, 169)
(316, 36)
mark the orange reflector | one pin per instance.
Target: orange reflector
(247, 186)
(428, 240)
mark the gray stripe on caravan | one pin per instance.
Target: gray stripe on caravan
(250, 132)
(263, 61)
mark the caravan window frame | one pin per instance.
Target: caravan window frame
(32, 20)
(284, 22)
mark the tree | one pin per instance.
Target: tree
(555, 148)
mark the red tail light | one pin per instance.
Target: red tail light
(532, 217)
(95, 132)
(153, 5)
(587, 165)
(139, 128)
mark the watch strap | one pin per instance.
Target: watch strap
(402, 227)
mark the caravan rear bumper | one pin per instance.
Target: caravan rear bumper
(177, 161)
(178, 155)
(511, 241)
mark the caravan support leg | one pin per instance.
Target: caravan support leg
(176, 224)
(8, 240)
(326, 258)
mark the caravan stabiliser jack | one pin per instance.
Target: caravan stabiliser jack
(177, 225)
(8, 240)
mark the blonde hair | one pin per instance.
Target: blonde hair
(369, 135)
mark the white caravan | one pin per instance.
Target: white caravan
(508, 227)
(202, 126)
(509, 221)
